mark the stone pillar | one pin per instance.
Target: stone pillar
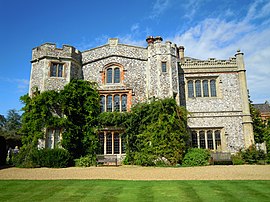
(246, 120)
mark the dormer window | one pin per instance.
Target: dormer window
(113, 75)
(56, 70)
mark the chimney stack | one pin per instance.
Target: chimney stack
(182, 53)
(150, 40)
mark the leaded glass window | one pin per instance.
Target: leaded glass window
(116, 103)
(109, 143)
(210, 139)
(60, 70)
(109, 75)
(124, 103)
(116, 143)
(109, 103)
(194, 139)
(116, 75)
(102, 103)
(190, 89)
(217, 139)
(56, 70)
(213, 88)
(202, 139)
(205, 88)
(198, 88)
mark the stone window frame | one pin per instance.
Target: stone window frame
(195, 84)
(53, 137)
(51, 65)
(200, 138)
(113, 145)
(114, 67)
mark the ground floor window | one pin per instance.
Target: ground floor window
(206, 139)
(111, 142)
(53, 137)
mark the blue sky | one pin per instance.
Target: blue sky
(207, 28)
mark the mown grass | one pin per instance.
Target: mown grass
(113, 190)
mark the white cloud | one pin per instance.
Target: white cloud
(21, 84)
(221, 38)
(158, 8)
(135, 27)
(129, 39)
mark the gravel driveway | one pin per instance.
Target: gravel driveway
(243, 172)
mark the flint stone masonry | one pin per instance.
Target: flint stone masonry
(142, 79)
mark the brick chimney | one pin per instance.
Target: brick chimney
(150, 40)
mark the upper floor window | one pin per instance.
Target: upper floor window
(56, 70)
(190, 89)
(163, 66)
(113, 75)
(213, 88)
(113, 102)
(201, 88)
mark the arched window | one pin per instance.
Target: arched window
(113, 75)
(109, 103)
(190, 89)
(124, 103)
(213, 88)
(205, 88)
(198, 88)
(116, 106)
(109, 75)
(116, 75)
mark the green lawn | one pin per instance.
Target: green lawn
(112, 190)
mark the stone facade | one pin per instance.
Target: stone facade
(213, 91)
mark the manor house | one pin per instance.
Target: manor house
(213, 91)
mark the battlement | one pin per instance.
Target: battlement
(50, 50)
(210, 62)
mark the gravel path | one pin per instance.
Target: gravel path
(243, 172)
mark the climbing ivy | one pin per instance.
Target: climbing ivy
(74, 109)
(156, 132)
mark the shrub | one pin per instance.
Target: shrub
(85, 161)
(196, 157)
(252, 155)
(31, 157)
(26, 158)
(237, 159)
(144, 159)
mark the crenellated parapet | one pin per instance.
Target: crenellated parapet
(157, 47)
(49, 50)
(211, 62)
